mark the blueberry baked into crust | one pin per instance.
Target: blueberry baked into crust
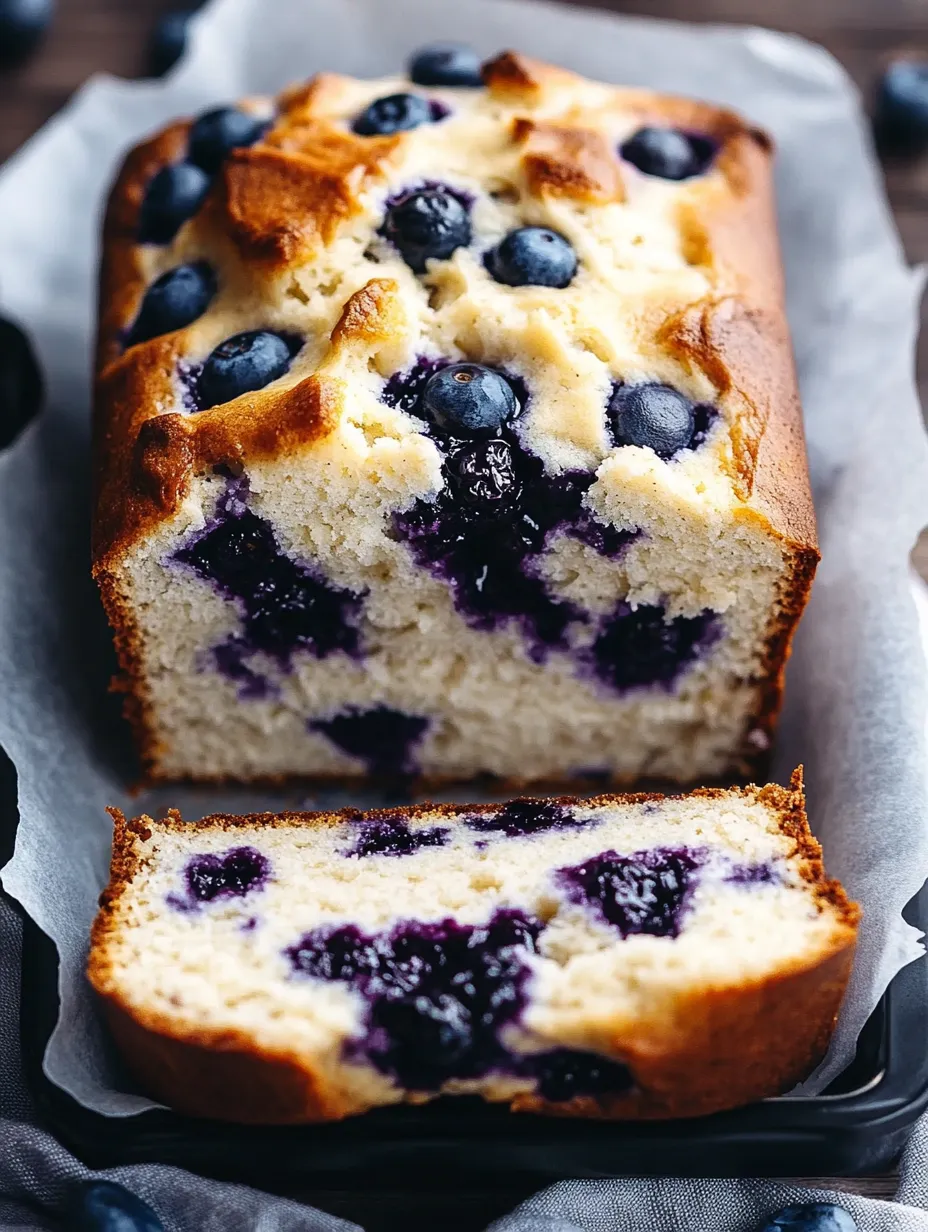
(623, 956)
(450, 430)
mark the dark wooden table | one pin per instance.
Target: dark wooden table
(92, 35)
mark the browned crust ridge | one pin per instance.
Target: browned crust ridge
(292, 190)
(731, 1046)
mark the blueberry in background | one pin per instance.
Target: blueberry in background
(23, 24)
(174, 300)
(668, 153)
(900, 121)
(21, 384)
(216, 133)
(173, 195)
(653, 416)
(533, 256)
(394, 113)
(446, 64)
(469, 400)
(168, 41)
(430, 223)
(811, 1217)
(103, 1206)
(243, 363)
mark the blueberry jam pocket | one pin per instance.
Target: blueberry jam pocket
(383, 738)
(644, 893)
(233, 874)
(521, 817)
(285, 606)
(439, 997)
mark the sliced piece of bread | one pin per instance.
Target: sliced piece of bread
(622, 956)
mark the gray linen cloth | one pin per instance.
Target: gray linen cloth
(37, 1173)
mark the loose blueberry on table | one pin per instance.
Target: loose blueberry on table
(668, 153)
(23, 24)
(446, 64)
(395, 113)
(173, 195)
(216, 133)
(168, 41)
(811, 1217)
(427, 224)
(242, 364)
(533, 256)
(20, 382)
(652, 416)
(174, 300)
(901, 114)
(104, 1206)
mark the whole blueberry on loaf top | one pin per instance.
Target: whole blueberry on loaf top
(448, 427)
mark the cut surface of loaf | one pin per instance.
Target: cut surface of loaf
(326, 551)
(621, 956)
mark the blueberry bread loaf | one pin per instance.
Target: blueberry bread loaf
(448, 430)
(622, 956)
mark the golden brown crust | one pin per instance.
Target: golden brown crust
(568, 162)
(292, 191)
(737, 1044)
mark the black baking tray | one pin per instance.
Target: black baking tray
(859, 1125)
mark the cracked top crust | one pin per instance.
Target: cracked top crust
(678, 282)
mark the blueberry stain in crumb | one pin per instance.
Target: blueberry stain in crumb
(446, 64)
(520, 817)
(393, 836)
(643, 893)
(638, 648)
(381, 737)
(439, 995)
(233, 874)
(484, 530)
(285, 605)
(669, 153)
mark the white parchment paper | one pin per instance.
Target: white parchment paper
(856, 697)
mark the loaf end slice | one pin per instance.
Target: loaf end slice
(623, 957)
